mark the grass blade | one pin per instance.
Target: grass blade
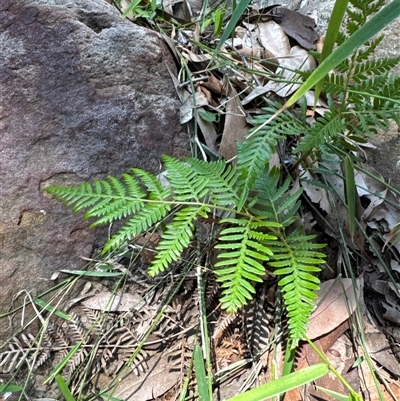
(46, 306)
(131, 7)
(62, 385)
(237, 13)
(200, 374)
(339, 9)
(12, 388)
(284, 383)
(350, 194)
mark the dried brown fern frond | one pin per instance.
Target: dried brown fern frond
(14, 357)
(257, 322)
(225, 322)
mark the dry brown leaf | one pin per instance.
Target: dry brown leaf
(190, 103)
(207, 94)
(369, 384)
(316, 194)
(297, 59)
(235, 128)
(379, 350)
(308, 357)
(153, 383)
(120, 302)
(214, 85)
(298, 26)
(208, 131)
(195, 58)
(148, 245)
(274, 39)
(337, 300)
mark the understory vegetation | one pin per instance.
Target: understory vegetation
(230, 227)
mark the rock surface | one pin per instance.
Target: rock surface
(84, 94)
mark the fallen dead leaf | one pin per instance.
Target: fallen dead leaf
(190, 103)
(120, 302)
(298, 26)
(337, 300)
(379, 350)
(235, 127)
(297, 59)
(274, 39)
(153, 383)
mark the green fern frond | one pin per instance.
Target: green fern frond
(324, 129)
(373, 67)
(221, 180)
(186, 183)
(176, 237)
(368, 49)
(361, 11)
(297, 259)
(368, 120)
(121, 199)
(240, 263)
(139, 223)
(255, 152)
(275, 203)
(107, 200)
(113, 200)
(154, 187)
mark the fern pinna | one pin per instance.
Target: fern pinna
(250, 239)
(362, 95)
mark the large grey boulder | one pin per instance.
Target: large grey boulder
(84, 94)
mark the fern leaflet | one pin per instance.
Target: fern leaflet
(255, 152)
(296, 258)
(186, 182)
(241, 261)
(176, 238)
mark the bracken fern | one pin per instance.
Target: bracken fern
(249, 237)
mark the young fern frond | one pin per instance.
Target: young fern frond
(222, 180)
(240, 264)
(294, 255)
(255, 152)
(273, 202)
(324, 129)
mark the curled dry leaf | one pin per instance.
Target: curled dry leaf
(337, 300)
(214, 85)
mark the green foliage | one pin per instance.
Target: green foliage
(366, 96)
(259, 229)
(255, 153)
(249, 236)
